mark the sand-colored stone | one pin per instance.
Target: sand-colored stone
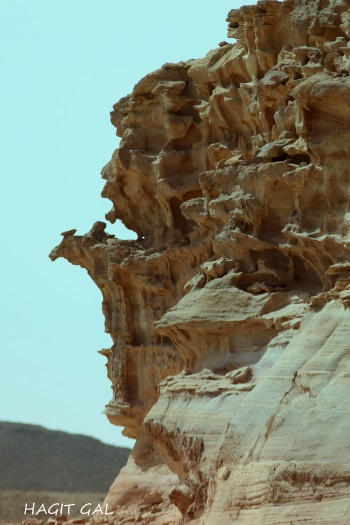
(230, 313)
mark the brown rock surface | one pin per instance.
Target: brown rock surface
(229, 314)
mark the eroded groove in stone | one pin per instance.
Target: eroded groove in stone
(229, 314)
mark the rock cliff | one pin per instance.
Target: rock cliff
(230, 312)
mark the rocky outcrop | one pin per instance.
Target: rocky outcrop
(229, 314)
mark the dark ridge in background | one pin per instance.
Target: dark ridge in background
(37, 459)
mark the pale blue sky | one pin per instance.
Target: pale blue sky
(63, 65)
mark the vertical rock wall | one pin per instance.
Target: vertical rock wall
(229, 314)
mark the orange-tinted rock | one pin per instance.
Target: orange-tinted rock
(229, 314)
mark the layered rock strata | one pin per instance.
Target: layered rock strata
(230, 313)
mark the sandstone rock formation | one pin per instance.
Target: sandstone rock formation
(230, 313)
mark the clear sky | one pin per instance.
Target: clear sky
(64, 63)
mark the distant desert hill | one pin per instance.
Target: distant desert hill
(37, 459)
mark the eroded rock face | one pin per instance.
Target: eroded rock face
(229, 314)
